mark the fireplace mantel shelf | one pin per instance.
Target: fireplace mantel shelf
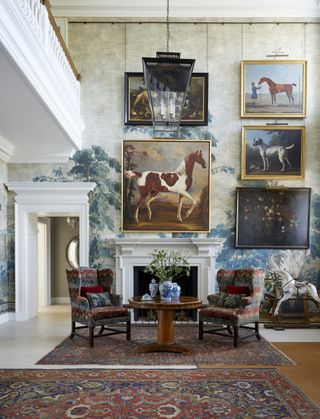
(134, 245)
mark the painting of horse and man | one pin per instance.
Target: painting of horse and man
(166, 185)
(273, 89)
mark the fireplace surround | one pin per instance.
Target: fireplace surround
(134, 252)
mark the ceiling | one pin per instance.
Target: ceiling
(186, 8)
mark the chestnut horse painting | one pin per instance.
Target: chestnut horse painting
(275, 88)
(152, 183)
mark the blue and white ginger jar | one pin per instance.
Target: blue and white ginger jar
(176, 291)
(165, 289)
(153, 288)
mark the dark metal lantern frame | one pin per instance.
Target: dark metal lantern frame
(167, 78)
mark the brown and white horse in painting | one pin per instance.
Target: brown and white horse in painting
(275, 88)
(152, 183)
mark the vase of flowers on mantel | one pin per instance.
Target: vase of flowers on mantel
(167, 266)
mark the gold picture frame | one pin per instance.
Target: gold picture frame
(273, 152)
(155, 175)
(273, 89)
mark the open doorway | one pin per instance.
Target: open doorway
(58, 250)
(44, 262)
(43, 199)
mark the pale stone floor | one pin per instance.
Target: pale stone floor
(22, 344)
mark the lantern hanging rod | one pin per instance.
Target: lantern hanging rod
(168, 30)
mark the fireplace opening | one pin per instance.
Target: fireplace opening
(188, 284)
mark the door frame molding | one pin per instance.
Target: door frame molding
(43, 199)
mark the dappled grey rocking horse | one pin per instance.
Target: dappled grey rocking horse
(293, 289)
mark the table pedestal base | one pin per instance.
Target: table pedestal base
(156, 347)
(165, 341)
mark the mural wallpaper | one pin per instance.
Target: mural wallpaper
(102, 108)
(96, 165)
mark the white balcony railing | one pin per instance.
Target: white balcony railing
(38, 18)
(30, 36)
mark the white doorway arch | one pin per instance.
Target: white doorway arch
(43, 199)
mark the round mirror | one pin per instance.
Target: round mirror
(72, 252)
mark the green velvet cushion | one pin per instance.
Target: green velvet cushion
(101, 299)
(229, 300)
(233, 301)
(221, 299)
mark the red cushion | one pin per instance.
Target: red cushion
(95, 289)
(235, 289)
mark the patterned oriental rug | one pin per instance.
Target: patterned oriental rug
(213, 350)
(206, 393)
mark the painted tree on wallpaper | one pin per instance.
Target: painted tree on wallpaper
(94, 165)
(129, 154)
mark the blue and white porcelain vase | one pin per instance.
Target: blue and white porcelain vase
(165, 289)
(176, 291)
(153, 288)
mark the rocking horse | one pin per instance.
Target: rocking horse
(293, 289)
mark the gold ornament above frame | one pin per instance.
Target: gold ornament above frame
(273, 152)
(273, 89)
(166, 185)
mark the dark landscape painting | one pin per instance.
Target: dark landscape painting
(137, 109)
(273, 218)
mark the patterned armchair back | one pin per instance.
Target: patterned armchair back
(88, 277)
(250, 277)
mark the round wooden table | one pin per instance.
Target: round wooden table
(165, 315)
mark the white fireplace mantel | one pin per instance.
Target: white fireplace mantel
(132, 252)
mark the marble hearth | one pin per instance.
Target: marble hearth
(133, 252)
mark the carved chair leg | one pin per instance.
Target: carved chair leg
(128, 332)
(256, 329)
(200, 330)
(235, 335)
(91, 334)
(73, 329)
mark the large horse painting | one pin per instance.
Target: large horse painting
(273, 89)
(166, 185)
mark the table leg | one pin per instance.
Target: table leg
(165, 342)
(165, 327)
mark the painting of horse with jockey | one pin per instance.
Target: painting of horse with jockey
(273, 89)
(166, 185)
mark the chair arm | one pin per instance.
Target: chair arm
(213, 298)
(247, 301)
(116, 299)
(82, 303)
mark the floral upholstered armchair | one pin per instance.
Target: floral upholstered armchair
(93, 303)
(236, 305)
